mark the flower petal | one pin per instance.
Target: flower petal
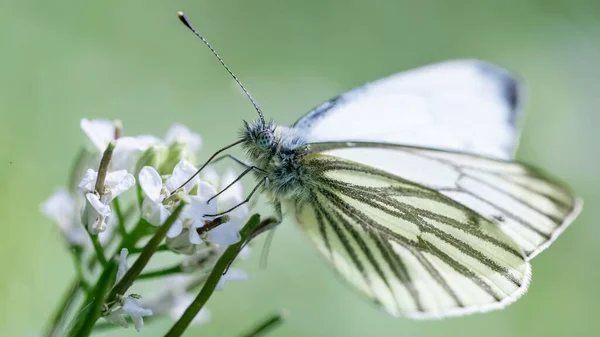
(245, 252)
(115, 177)
(210, 175)
(181, 173)
(175, 229)
(239, 214)
(100, 207)
(154, 213)
(181, 243)
(128, 150)
(232, 274)
(119, 182)
(236, 191)
(132, 307)
(122, 264)
(150, 182)
(225, 234)
(88, 181)
(194, 237)
(180, 133)
(60, 207)
(138, 322)
(99, 131)
(117, 317)
(198, 206)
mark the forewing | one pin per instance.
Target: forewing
(409, 248)
(467, 106)
(524, 202)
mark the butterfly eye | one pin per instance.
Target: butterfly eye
(265, 140)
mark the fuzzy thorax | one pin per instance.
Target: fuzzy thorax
(277, 151)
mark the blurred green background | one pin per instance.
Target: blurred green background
(132, 60)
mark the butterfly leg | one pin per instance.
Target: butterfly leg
(250, 168)
(232, 157)
(254, 190)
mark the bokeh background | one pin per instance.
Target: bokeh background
(132, 60)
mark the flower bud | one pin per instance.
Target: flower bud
(177, 151)
(154, 156)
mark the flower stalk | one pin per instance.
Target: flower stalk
(92, 307)
(99, 250)
(123, 285)
(174, 215)
(213, 279)
(63, 309)
(103, 168)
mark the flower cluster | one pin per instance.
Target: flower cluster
(161, 172)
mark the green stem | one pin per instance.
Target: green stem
(94, 302)
(98, 249)
(161, 272)
(269, 324)
(76, 253)
(63, 309)
(134, 236)
(211, 282)
(103, 168)
(92, 261)
(140, 195)
(161, 248)
(139, 264)
(120, 217)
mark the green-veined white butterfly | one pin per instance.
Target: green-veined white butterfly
(408, 187)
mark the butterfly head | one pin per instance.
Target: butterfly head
(265, 139)
(260, 140)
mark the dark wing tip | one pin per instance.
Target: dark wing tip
(510, 88)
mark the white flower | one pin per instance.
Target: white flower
(181, 243)
(97, 210)
(132, 308)
(181, 134)
(99, 131)
(200, 213)
(181, 303)
(62, 208)
(231, 275)
(155, 208)
(197, 209)
(181, 173)
(233, 196)
(123, 267)
(211, 176)
(127, 149)
(229, 232)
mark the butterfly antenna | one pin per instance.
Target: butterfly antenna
(190, 27)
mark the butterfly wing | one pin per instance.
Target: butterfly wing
(528, 205)
(467, 106)
(412, 250)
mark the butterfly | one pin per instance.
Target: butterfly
(409, 188)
